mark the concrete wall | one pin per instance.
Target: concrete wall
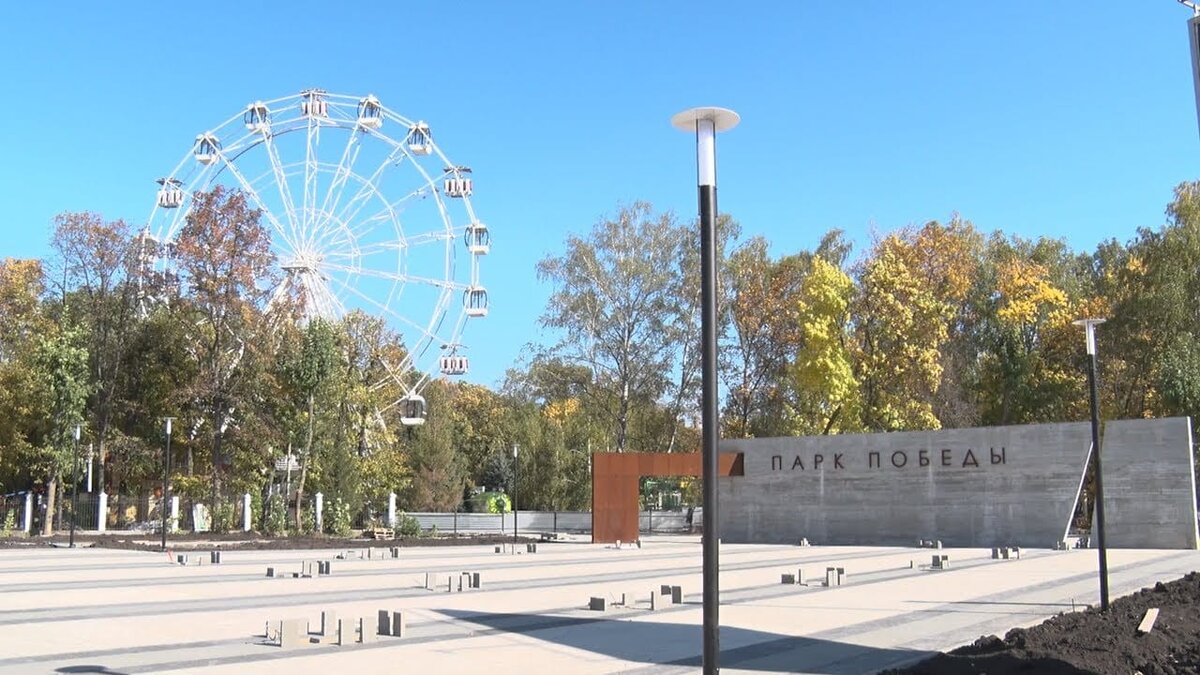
(985, 487)
(1149, 484)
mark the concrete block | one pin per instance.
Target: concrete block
(787, 579)
(450, 584)
(676, 595)
(366, 630)
(475, 580)
(181, 559)
(214, 557)
(430, 581)
(292, 633)
(804, 541)
(398, 625)
(995, 553)
(395, 551)
(598, 604)
(937, 544)
(830, 577)
(800, 576)
(329, 623)
(345, 632)
(270, 572)
(384, 622)
(841, 576)
(1004, 553)
(497, 549)
(665, 590)
(1016, 552)
(639, 542)
(324, 567)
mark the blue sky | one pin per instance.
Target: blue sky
(1071, 120)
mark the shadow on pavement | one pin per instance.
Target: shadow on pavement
(673, 644)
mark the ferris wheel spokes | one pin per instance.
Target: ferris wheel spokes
(258, 201)
(285, 191)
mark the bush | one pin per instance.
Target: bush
(339, 518)
(224, 516)
(408, 526)
(10, 522)
(275, 520)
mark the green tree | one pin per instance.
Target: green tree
(613, 304)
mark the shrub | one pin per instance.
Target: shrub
(338, 519)
(275, 522)
(408, 526)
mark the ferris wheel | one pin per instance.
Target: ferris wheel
(366, 213)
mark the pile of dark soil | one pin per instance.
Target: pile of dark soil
(1092, 641)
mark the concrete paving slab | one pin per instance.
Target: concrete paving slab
(137, 612)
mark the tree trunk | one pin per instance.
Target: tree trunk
(304, 459)
(51, 498)
(216, 474)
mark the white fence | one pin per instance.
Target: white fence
(578, 522)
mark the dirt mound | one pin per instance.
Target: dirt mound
(1092, 641)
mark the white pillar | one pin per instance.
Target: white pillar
(246, 512)
(320, 509)
(102, 512)
(27, 524)
(174, 522)
(392, 509)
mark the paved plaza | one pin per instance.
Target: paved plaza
(109, 611)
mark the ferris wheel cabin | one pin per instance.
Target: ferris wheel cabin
(453, 365)
(475, 299)
(170, 195)
(412, 410)
(420, 141)
(479, 240)
(314, 103)
(257, 118)
(370, 113)
(208, 148)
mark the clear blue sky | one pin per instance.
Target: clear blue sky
(1070, 120)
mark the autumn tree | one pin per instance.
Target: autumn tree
(224, 256)
(826, 398)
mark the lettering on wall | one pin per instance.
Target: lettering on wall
(899, 460)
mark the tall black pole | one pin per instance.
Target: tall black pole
(165, 480)
(516, 482)
(706, 122)
(1089, 327)
(75, 487)
(1099, 483)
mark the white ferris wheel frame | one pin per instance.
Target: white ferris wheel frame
(324, 224)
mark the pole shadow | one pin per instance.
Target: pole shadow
(660, 644)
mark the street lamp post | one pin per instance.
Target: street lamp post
(75, 487)
(1089, 327)
(165, 478)
(516, 474)
(705, 123)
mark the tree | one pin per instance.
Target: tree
(308, 372)
(94, 257)
(826, 392)
(613, 304)
(62, 370)
(900, 326)
(224, 255)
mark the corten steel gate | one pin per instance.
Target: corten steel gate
(615, 479)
